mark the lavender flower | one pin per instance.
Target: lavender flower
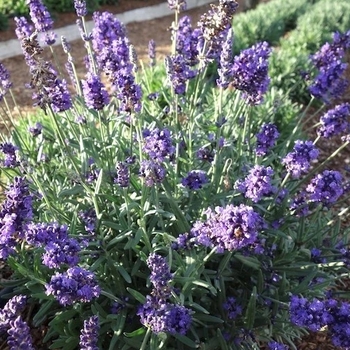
(226, 57)
(299, 205)
(15, 213)
(177, 5)
(266, 139)
(75, 285)
(229, 227)
(161, 316)
(178, 72)
(95, 94)
(50, 38)
(5, 82)
(160, 274)
(158, 144)
(273, 345)
(89, 219)
(313, 314)
(23, 28)
(187, 41)
(9, 151)
(42, 234)
(80, 7)
(232, 308)
(298, 161)
(335, 122)
(250, 72)
(36, 129)
(122, 177)
(195, 179)
(61, 252)
(11, 310)
(217, 19)
(19, 335)
(152, 53)
(339, 329)
(329, 82)
(257, 184)
(89, 334)
(326, 187)
(153, 172)
(205, 154)
(59, 96)
(40, 16)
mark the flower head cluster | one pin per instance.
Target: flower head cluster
(89, 334)
(335, 121)
(58, 96)
(40, 15)
(122, 177)
(62, 252)
(195, 179)
(217, 19)
(15, 213)
(36, 129)
(75, 285)
(5, 82)
(41, 234)
(329, 82)
(80, 7)
(162, 316)
(95, 94)
(298, 161)
(112, 49)
(273, 345)
(187, 41)
(89, 219)
(266, 138)
(152, 52)
(9, 150)
(178, 73)
(177, 5)
(226, 57)
(228, 228)
(158, 144)
(326, 188)
(257, 184)
(232, 308)
(152, 172)
(160, 275)
(18, 331)
(250, 72)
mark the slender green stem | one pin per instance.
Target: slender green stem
(145, 339)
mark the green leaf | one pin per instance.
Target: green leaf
(137, 295)
(185, 340)
(72, 191)
(99, 182)
(43, 312)
(248, 261)
(63, 316)
(223, 342)
(250, 313)
(136, 333)
(208, 318)
(205, 285)
(124, 273)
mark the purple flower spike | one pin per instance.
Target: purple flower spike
(195, 179)
(158, 144)
(257, 184)
(19, 335)
(152, 172)
(36, 129)
(326, 187)
(335, 121)
(298, 161)
(9, 150)
(177, 5)
(11, 310)
(89, 334)
(161, 316)
(273, 345)
(152, 52)
(80, 7)
(95, 94)
(250, 72)
(75, 285)
(122, 177)
(232, 308)
(226, 58)
(5, 82)
(160, 274)
(228, 228)
(40, 15)
(266, 139)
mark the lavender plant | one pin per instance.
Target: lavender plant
(153, 208)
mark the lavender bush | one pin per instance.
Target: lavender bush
(152, 208)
